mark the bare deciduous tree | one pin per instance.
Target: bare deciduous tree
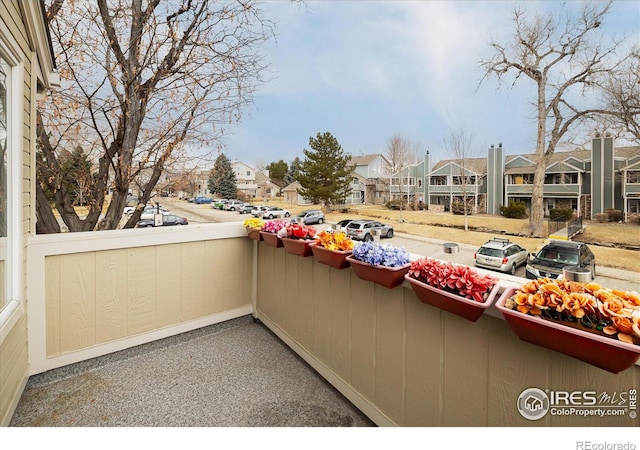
(140, 80)
(459, 145)
(400, 153)
(621, 98)
(563, 58)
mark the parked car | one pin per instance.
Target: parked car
(309, 217)
(219, 204)
(202, 200)
(258, 210)
(342, 224)
(362, 230)
(150, 211)
(232, 205)
(502, 255)
(271, 212)
(167, 221)
(556, 255)
(247, 208)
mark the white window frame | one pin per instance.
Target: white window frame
(13, 308)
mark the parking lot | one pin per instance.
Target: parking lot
(420, 245)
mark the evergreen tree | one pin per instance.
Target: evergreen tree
(277, 172)
(222, 180)
(76, 175)
(294, 169)
(325, 173)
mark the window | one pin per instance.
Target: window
(10, 165)
(248, 173)
(633, 177)
(525, 178)
(4, 162)
(438, 181)
(419, 182)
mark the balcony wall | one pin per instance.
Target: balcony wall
(548, 189)
(398, 360)
(95, 293)
(409, 364)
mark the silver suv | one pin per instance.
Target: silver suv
(362, 230)
(551, 260)
(309, 217)
(502, 255)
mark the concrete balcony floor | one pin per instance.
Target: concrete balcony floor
(233, 374)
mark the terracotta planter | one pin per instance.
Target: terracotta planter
(598, 350)
(389, 277)
(455, 304)
(254, 233)
(333, 258)
(271, 239)
(300, 247)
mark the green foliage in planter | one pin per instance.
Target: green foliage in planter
(561, 214)
(515, 210)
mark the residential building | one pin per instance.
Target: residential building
(370, 183)
(245, 180)
(292, 195)
(266, 188)
(589, 181)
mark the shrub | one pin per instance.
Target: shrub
(458, 207)
(601, 217)
(395, 204)
(614, 215)
(515, 210)
(561, 214)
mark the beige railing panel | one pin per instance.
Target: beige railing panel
(410, 364)
(99, 297)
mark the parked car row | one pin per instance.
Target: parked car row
(550, 261)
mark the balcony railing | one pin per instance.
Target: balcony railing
(398, 360)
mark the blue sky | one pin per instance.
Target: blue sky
(366, 70)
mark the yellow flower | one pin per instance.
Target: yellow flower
(335, 240)
(254, 222)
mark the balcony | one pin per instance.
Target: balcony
(399, 361)
(548, 189)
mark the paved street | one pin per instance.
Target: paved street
(607, 277)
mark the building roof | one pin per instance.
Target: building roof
(293, 187)
(580, 154)
(365, 160)
(476, 165)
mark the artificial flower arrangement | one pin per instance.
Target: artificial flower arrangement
(334, 240)
(456, 279)
(587, 306)
(253, 222)
(273, 226)
(380, 254)
(297, 231)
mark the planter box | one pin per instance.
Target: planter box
(455, 304)
(254, 233)
(300, 247)
(333, 258)
(271, 239)
(389, 277)
(598, 350)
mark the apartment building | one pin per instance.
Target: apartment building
(589, 181)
